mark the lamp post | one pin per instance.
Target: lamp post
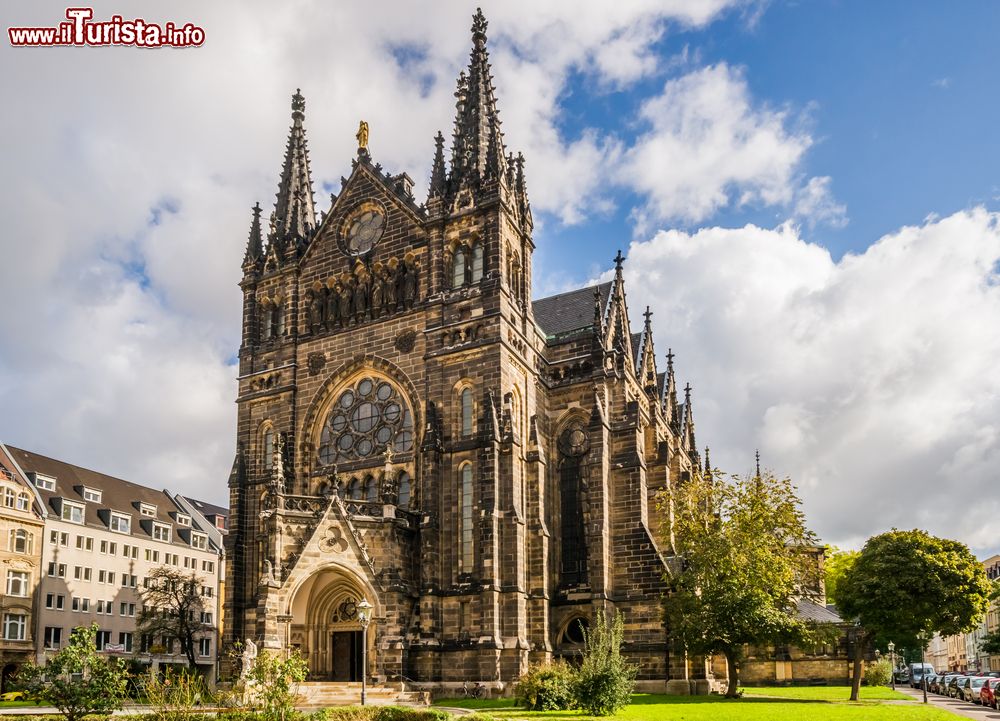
(892, 654)
(364, 618)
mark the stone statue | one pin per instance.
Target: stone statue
(345, 304)
(389, 294)
(248, 656)
(315, 313)
(332, 299)
(267, 577)
(362, 136)
(377, 292)
(360, 300)
(410, 285)
(400, 282)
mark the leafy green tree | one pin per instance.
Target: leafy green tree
(909, 585)
(744, 557)
(605, 680)
(78, 680)
(272, 684)
(172, 606)
(991, 643)
(834, 567)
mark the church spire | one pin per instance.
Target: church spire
(438, 178)
(255, 243)
(477, 148)
(689, 419)
(294, 211)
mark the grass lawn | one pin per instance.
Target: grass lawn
(826, 693)
(16, 704)
(653, 707)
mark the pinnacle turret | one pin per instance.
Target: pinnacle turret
(439, 181)
(255, 242)
(294, 210)
(670, 393)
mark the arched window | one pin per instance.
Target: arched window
(403, 497)
(21, 541)
(575, 630)
(357, 491)
(573, 445)
(477, 262)
(467, 411)
(371, 489)
(267, 454)
(266, 327)
(458, 269)
(366, 417)
(466, 553)
(278, 321)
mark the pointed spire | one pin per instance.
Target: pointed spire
(708, 465)
(255, 242)
(670, 392)
(521, 192)
(438, 179)
(757, 456)
(689, 419)
(477, 124)
(294, 211)
(598, 311)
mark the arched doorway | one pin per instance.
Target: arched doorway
(325, 627)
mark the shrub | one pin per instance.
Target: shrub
(547, 687)
(175, 696)
(272, 682)
(605, 680)
(78, 680)
(878, 673)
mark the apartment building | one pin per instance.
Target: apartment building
(103, 537)
(992, 622)
(21, 529)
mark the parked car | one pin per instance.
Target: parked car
(970, 691)
(929, 680)
(955, 686)
(917, 671)
(941, 686)
(988, 692)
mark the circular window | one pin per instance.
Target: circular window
(574, 441)
(364, 230)
(574, 631)
(367, 417)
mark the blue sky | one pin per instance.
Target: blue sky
(805, 192)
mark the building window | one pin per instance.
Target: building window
(268, 445)
(125, 641)
(83, 573)
(466, 552)
(220, 523)
(53, 637)
(199, 541)
(204, 647)
(371, 489)
(147, 509)
(17, 583)
(103, 639)
(54, 601)
(477, 262)
(152, 556)
(208, 566)
(81, 604)
(14, 626)
(121, 523)
(206, 617)
(72, 512)
(161, 532)
(9, 497)
(21, 541)
(365, 419)
(91, 495)
(403, 497)
(467, 411)
(23, 502)
(85, 543)
(183, 520)
(57, 570)
(458, 269)
(573, 565)
(45, 483)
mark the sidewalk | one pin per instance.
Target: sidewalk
(959, 708)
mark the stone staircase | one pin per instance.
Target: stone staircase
(319, 694)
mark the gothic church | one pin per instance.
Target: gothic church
(418, 433)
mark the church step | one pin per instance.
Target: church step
(320, 693)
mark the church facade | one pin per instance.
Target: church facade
(416, 432)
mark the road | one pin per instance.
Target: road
(960, 708)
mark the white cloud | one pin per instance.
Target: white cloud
(815, 204)
(707, 146)
(872, 380)
(128, 176)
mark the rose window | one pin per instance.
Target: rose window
(365, 419)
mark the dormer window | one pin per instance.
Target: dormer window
(91, 495)
(45, 483)
(23, 502)
(220, 523)
(147, 509)
(183, 519)
(199, 541)
(72, 512)
(161, 532)
(121, 522)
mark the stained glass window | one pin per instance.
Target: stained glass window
(364, 420)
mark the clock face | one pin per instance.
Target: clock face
(365, 231)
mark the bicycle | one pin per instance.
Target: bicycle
(477, 691)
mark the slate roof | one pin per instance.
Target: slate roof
(207, 509)
(809, 611)
(116, 495)
(561, 314)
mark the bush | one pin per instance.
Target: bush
(175, 696)
(547, 687)
(272, 683)
(604, 682)
(878, 673)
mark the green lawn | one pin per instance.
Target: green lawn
(16, 704)
(806, 707)
(826, 693)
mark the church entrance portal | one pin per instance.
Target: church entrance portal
(325, 627)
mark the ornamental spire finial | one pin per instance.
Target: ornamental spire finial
(294, 210)
(757, 456)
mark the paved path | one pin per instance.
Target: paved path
(960, 708)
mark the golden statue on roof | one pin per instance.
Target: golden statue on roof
(362, 136)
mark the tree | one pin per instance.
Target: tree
(78, 680)
(834, 567)
(991, 643)
(272, 684)
(172, 606)
(605, 680)
(744, 557)
(908, 585)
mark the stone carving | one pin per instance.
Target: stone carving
(314, 303)
(333, 540)
(405, 341)
(247, 658)
(316, 362)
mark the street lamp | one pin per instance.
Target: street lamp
(892, 654)
(364, 618)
